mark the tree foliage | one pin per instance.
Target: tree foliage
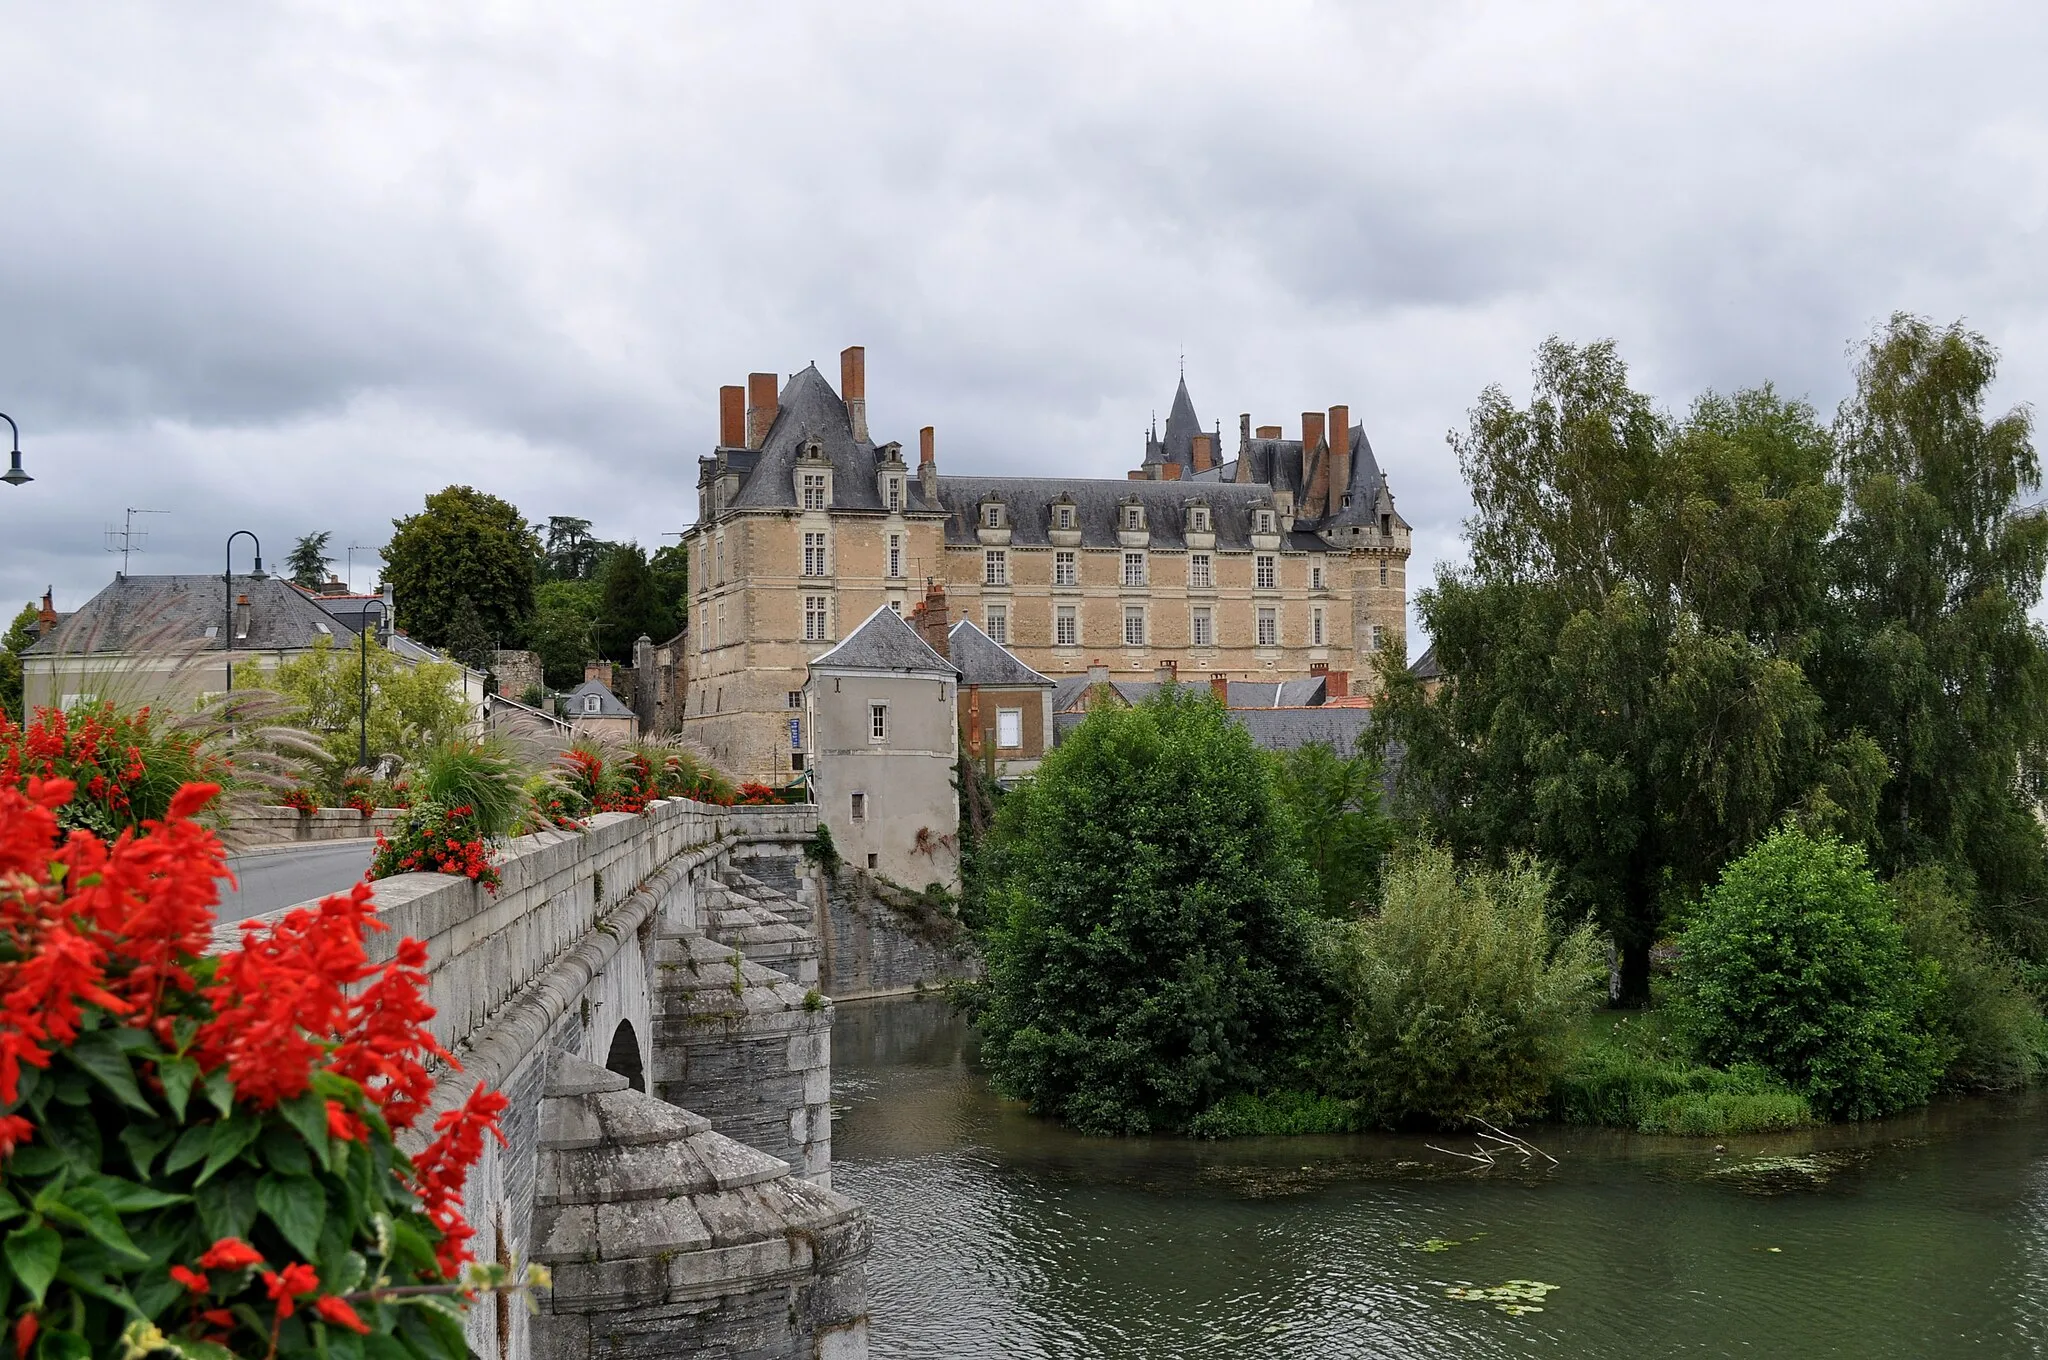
(1335, 802)
(308, 564)
(19, 637)
(563, 630)
(1151, 949)
(630, 604)
(413, 708)
(463, 543)
(1796, 962)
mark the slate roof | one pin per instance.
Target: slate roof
(1273, 729)
(810, 410)
(1425, 667)
(609, 707)
(1071, 692)
(981, 660)
(1028, 503)
(885, 643)
(353, 611)
(139, 613)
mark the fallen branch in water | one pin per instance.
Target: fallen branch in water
(1502, 1143)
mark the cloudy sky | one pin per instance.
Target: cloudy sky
(291, 267)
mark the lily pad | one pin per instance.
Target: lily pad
(1514, 1298)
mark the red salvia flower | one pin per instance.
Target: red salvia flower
(191, 1279)
(230, 1253)
(337, 1311)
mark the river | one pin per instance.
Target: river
(997, 1234)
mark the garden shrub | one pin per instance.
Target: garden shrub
(1287, 1113)
(1980, 1004)
(196, 1154)
(1796, 962)
(483, 776)
(1151, 948)
(431, 839)
(126, 766)
(1460, 995)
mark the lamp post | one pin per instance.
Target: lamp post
(14, 476)
(363, 682)
(227, 586)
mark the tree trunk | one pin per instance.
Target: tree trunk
(1635, 975)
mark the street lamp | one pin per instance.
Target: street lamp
(363, 681)
(14, 476)
(227, 586)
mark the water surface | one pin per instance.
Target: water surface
(997, 1234)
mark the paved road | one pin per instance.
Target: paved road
(288, 877)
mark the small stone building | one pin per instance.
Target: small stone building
(882, 736)
(1005, 706)
(595, 713)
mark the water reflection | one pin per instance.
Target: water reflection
(999, 1235)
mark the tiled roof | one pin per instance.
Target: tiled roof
(1274, 729)
(141, 613)
(1028, 503)
(810, 410)
(1071, 693)
(1425, 667)
(885, 643)
(608, 706)
(981, 660)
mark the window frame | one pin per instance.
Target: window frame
(1201, 571)
(1134, 613)
(1135, 574)
(878, 720)
(1066, 617)
(1066, 567)
(995, 621)
(1014, 716)
(1202, 626)
(1265, 571)
(895, 560)
(857, 805)
(818, 611)
(815, 564)
(812, 488)
(1267, 625)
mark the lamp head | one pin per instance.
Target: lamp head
(14, 476)
(259, 574)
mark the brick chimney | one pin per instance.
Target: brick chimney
(762, 400)
(242, 617)
(600, 671)
(732, 417)
(1219, 687)
(853, 388)
(928, 464)
(1340, 455)
(46, 620)
(1337, 685)
(1268, 431)
(1204, 452)
(974, 720)
(932, 620)
(1170, 472)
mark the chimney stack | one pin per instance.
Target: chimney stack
(600, 671)
(853, 388)
(1269, 431)
(242, 615)
(1336, 685)
(1340, 454)
(932, 620)
(1170, 472)
(46, 620)
(974, 721)
(1219, 687)
(762, 400)
(928, 465)
(732, 417)
(1311, 431)
(1204, 452)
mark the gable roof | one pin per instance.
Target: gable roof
(162, 613)
(981, 660)
(1426, 667)
(884, 642)
(808, 409)
(610, 707)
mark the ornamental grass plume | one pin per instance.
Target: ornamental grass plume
(196, 1153)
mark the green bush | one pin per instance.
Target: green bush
(1150, 952)
(1714, 1114)
(1244, 1115)
(1796, 962)
(1461, 996)
(1981, 1004)
(1335, 803)
(1630, 1072)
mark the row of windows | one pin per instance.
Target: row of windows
(1201, 569)
(994, 516)
(1066, 626)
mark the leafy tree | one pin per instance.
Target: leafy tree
(1335, 801)
(20, 636)
(1939, 561)
(671, 568)
(412, 708)
(1796, 962)
(1461, 996)
(570, 551)
(469, 640)
(563, 630)
(464, 543)
(629, 603)
(307, 564)
(1622, 695)
(1151, 949)
(1981, 1006)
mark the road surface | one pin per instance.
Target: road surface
(285, 878)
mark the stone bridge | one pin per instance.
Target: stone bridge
(646, 992)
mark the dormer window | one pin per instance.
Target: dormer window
(1198, 519)
(892, 495)
(1265, 520)
(814, 490)
(1063, 517)
(1134, 517)
(592, 704)
(1386, 526)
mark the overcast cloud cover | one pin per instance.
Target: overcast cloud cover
(291, 267)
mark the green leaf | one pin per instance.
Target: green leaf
(34, 1160)
(220, 1090)
(177, 1075)
(200, 1350)
(230, 1137)
(308, 1114)
(228, 1209)
(348, 1275)
(100, 1055)
(144, 1142)
(298, 1206)
(53, 1345)
(32, 1254)
(285, 1152)
(10, 1207)
(91, 1213)
(192, 1145)
(128, 1197)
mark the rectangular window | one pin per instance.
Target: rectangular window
(994, 516)
(1315, 626)
(796, 762)
(895, 554)
(814, 554)
(1269, 628)
(860, 807)
(1064, 570)
(1264, 572)
(814, 618)
(995, 568)
(1134, 518)
(721, 625)
(1383, 573)
(1202, 628)
(1066, 626)
(878, 722)
(1379, 637)
(997, 618)
(895, 493)
(1134, 626)
(896, 608)
(814, 491)
(1315, 576)
(1265, 521)
(1064, 518)
(1200, 520)
(1134, 569)
(1009, 729)
(718, 559)
(1201, 572)
(796, 698)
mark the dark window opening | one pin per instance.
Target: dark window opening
(624, 1057)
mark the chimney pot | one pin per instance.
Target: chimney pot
(1204, 453)
(928, 465)
(732, 416)
(1269, 432)
(1337, 685)
(853, 388)
(46, 619)
(600, 671)
(762, 400)
(1219, 687)
(1340, 455)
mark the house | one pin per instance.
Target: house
(1288, 557)
(594, 712)
(879, 730)
(1005, 707)
(1280, 716)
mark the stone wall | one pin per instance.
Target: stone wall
(251, 827)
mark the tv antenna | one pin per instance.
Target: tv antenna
(129, 539)
(353, 549)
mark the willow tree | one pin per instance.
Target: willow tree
(1622, 690)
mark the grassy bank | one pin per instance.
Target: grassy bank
(1632, 1072)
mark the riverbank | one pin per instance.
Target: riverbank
(999, 1233)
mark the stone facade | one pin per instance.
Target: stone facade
(1287, 557)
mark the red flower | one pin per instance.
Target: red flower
(344, 1125)
(25, 1333)
(14, 1131)
(230, 1253)
(297, 1279)
(337, 1311)
(191, 1279)
(440, 1171)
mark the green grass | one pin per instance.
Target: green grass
(1633, 1072)
(1282, 1112)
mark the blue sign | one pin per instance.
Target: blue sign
(796, 734)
